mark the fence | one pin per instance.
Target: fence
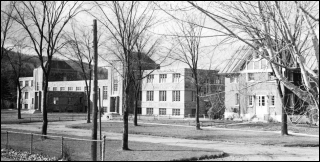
(53, 146)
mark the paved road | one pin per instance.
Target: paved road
(245, 151)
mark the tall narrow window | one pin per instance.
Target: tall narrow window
(149, 95)
(31, 83)
(162, 95)
(21, 83)
(26, 83)
(175, 95)
(105, 92)
(140, 96)
(176, 78)
(115, 85)
(163, 78)
(250, 102)
(237, 98)
(26, 95)
(272, 100)
(150, 78)
(37, 86)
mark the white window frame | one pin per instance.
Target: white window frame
(248, 74)
(54, 89)
(149, 111)
(176, 77)
(175, 95)
(105, 93)
(162, 111)
(70, 88)
(150, 95)
(162, 95)
(250, 101)
(175, 112)
(162, 78)
(62, 88)
(78, 88)
(26, 83)
(26, 95)
(272, 101)
(150, 78)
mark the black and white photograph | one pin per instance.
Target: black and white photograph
(159, 81)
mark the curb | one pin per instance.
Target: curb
(203, 157)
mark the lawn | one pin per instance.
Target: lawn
(211, 135)
(11, 117)
(80, 150)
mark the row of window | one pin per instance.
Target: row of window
(163, 111)
(26, 83)
(261, 100)
(163, 95)
(163, 78)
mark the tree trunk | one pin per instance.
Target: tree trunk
(135, 122)
(125, 116)
(88, 107)
(197, 104)
(19, 104)
(284, 125)
(44, 109)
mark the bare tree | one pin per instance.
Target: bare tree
(125, 22)
(188, 51)
(79, 47)
(273, 30)
(145, 48)
(6, 26)
(43, 22)
(17, 62)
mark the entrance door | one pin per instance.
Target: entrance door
(112, 104)
(261, 107)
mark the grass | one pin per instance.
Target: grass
(210, 135)
(80, 150)
(10, 117)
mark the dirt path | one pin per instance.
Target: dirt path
(236, 150)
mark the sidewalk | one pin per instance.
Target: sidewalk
(249, 151)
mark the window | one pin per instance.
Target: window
(193, 96)
(175, 95)
(62, 88)
(163, 78)
(26, 83)
(149, 95)
(55, 100)
(37, 88)
(21, 83)
(140, 96)
(291, 100)
(250, 76)
(250, 102)
(54, 88)
(31, 83)
(271, 76)
(26, 95)
(262, 100)
(272, 100)
(237, 98)
(78, 88)
(115, 85)
(139, 110)
(69, 101)
(264, 64)
(290, 76)
(175, 78)
(150, 78)
(32, 102)
(175, 112)
(26, 106)
(149, 111)
(105, 92)
(217, 80)
(48, 88)
(162, 95)
(70, 88)
(162, 111)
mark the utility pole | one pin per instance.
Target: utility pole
(95, 94)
